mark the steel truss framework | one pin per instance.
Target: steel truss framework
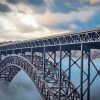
(44, 65)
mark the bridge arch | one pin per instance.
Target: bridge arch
(16, 63)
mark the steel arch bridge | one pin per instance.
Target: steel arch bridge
(42, 60)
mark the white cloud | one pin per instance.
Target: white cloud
(7, 24)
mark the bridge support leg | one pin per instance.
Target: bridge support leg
(6, 53)
(22, 52)
(85, 51)
(81, 74)
(32, 55)
(54, 58)
(60, 67)
(69, 68)
(88, 79)
(69, 64)
(43, 56)
(0, 56)
(13, 51)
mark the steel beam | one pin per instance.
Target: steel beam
(54, 58)
(43, 56)
(6, 53)
(13, 51)
(0, 56)
(60, 67)
(69, 64)
(22, 53)
(88, 82)
(32, 55)
(81, 74)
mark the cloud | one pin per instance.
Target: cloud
(73, 26)
(7, 25)
(62, 6)
(34, 2)
(83, 15)
(94, 2)
(34, 18)
(21, 88)
(39, 6)
(90, 2)
(4, 8)
(65, 6)
(24, 23)
(13, 1)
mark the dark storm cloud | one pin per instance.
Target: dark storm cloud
(33, 2)
(37, 2)
(13, 1)
(59, 5)
(39, 6)
(63, 6)
(4, 8)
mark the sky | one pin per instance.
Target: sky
(29, 19)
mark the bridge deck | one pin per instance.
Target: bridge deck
(92, 36)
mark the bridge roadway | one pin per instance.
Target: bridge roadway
(45, 62)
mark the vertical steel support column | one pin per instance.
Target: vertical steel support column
(69, 64)
(6, 53)
(60, 49)
(22, 53)
(81, 74)
(43, 55)
(13, 51)
(54, 58)
(0, 56)
(88, 82)
(54, 62)
(32, 55)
